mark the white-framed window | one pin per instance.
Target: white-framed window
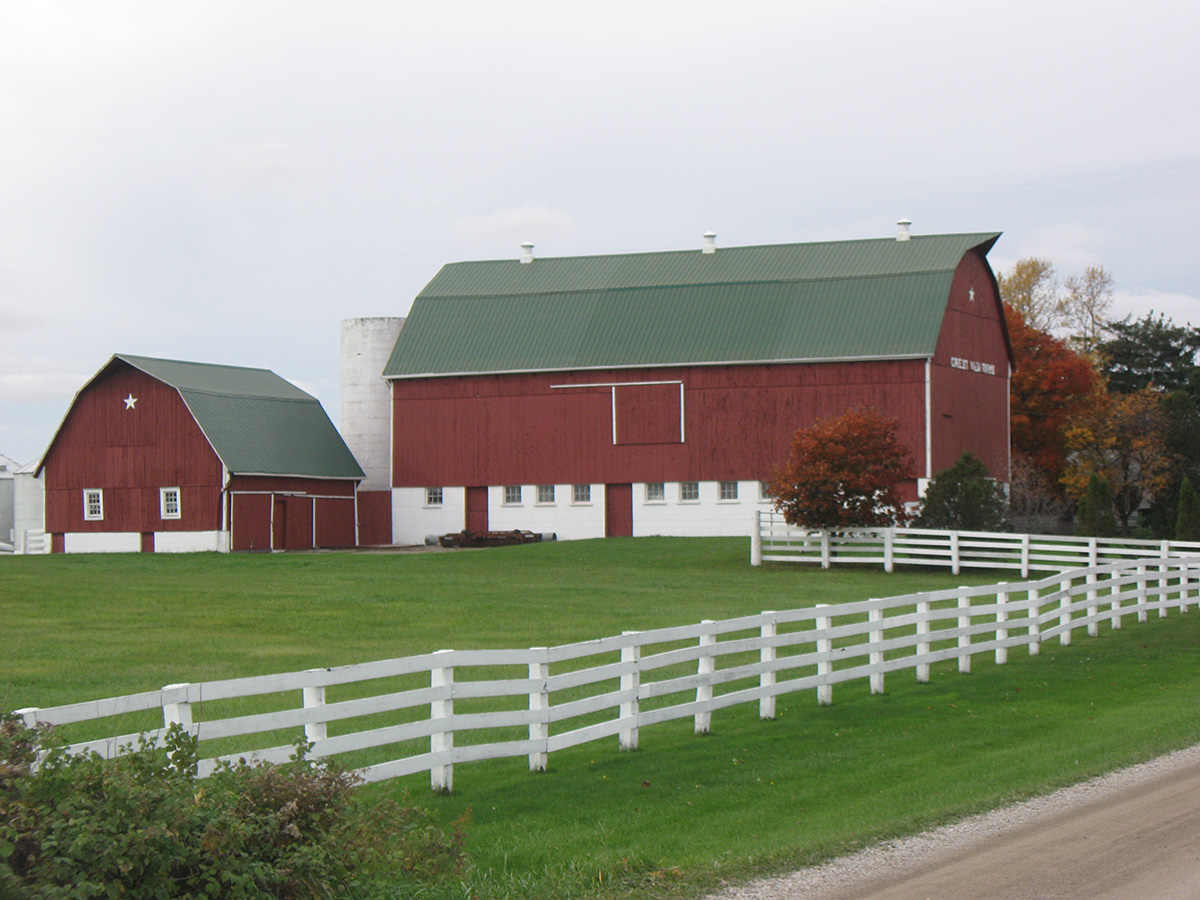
(433, 496)
(169, 506)
(764, 492)
(689, 491)
(656, 492)
(93, 505)
(545, 493)
(727, 490)
(512, 495)
(581, 493)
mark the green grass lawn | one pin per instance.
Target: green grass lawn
(681, 813)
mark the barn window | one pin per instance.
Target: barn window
(764, 491)
(545, 493)
(433, 496)
(727, 490)
(93, 505)
(656, 492)
(581, 493)
(689, 491)
(512, 495)
(168, 503)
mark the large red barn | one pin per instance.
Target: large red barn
(654, 393)
(163, 455)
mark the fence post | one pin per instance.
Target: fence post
(313, 698)
(1164, 582)
(1002, 625)
(1093, 552)
(923, 608)
(1114, 588)
(28, 715)
(826, 550)
(441, 714)
(1093, 627)
(964, 628)
(1025, 556)
(705, 666)
(1142, 612)
(177, 713)
(1185, 578)
(756, 540)
(889, 550)
(825, 665)
(955, 557)
(539, 702)
(875, 636)
(766, 656)
(631, 682)
(1064, 612)
(1035, 628)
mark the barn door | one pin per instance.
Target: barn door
(618, 510)
(477, 509)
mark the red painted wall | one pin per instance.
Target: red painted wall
(374, 517)
(521, 429)
(969, 375)
(270, 512)
(130, 454)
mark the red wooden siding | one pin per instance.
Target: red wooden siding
(374, 517)
(250, 521)
(270, 512)
(648, 414)
(130, 454)
(477, 509)
(618, 510)
(969, 374)
(520, 429)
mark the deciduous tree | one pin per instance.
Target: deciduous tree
(1084, 307)
(1124, 441)
(1051, 385)
(1031, 288)
(842, 472)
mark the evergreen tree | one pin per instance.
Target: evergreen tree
(1096, 516)
(964, 498)
(1187, 525)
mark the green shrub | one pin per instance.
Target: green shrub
(1187, 522)
(964, 498)
(1096, 516)
(143, 826)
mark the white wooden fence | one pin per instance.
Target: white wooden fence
(461, 706)
(773, 540)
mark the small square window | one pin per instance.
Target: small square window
(656, 492)
(168, 503)
(512, 495)
(689, 491)
(727, 490)
(93, 505)
(764, 490)
(581, 493)
(433, 496)
(545, 493)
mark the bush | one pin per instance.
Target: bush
(1187, 523)
(964, 498)
(1096, 516)
(143, 826)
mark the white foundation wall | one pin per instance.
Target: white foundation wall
(102, 542)
(706, 517)
(189, 542)
(568, 520)
(413, 519)
(365, 398)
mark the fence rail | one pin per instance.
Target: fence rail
(431, 712)
(774, 540)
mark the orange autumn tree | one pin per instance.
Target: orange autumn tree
(842, 472)
(1051, 386)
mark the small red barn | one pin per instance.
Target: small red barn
(162, 455)
(653, 393)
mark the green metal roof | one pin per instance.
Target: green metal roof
(256, 422)
(868, 299)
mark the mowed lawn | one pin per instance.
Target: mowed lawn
(681, 814)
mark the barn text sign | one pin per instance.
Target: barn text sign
(957, 362)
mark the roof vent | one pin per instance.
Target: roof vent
(527, 252)
(904, 234)
(710, 242)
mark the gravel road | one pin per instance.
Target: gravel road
(1131, 835)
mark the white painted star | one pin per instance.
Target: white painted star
(971, 295)
(130, 401)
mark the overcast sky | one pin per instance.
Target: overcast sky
(226, 181)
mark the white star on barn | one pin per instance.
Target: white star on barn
(130, 402)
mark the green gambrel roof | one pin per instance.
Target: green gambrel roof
(257, 423)
(869, 299)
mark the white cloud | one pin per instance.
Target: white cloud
(1182, 309)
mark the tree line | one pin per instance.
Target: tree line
(1105, 429)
